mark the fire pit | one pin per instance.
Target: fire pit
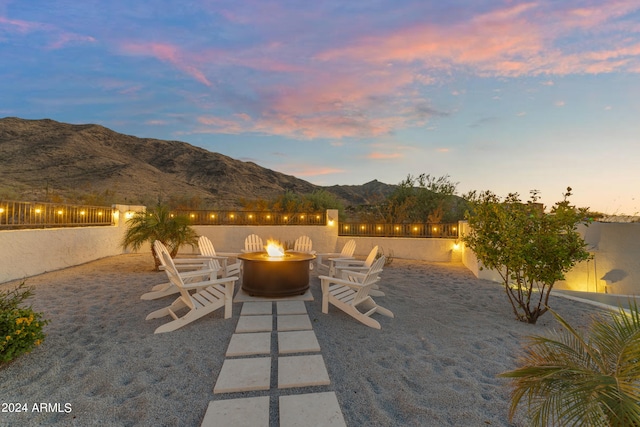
(275, 274)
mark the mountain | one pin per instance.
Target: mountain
(48, 160)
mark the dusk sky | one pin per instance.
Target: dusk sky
(507, 96)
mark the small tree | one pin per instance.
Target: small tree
(159, 224)
(530, 249)
(571, 378)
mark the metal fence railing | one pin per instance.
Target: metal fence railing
(433, 230)
(22, 215)
(211, 217)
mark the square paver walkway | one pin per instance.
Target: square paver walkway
(294, 322)
(244, 412)
(313, 409)
(297, 342)
(254, 324)
(302, 371)
(249, 343)
(244, 375)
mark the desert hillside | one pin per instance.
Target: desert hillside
(45, 159)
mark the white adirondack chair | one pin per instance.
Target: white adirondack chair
(209, 295)
(208, 251)
(338, 267)
(347, 252)
(253, 243)
(190, 269)
(303, 244)
(338, 264)
(353, 293)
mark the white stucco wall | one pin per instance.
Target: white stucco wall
(26, 253)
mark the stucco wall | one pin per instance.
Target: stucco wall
(26, 253)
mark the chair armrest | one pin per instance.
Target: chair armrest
(196, 273)
(222, 281)
(329, 280)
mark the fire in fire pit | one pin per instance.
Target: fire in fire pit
(275, 273)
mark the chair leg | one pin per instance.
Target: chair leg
(177, 305)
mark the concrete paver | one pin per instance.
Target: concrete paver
(239, 375)
(313, 409)
(255, 308)
(244, 412)
(294, 322)
(291, 307)
(297, 342)
(249, 344)
(254, 324)
(302, 371)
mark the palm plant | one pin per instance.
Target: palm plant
(592, 380)
(159, 224)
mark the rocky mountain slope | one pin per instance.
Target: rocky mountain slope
(44, 160)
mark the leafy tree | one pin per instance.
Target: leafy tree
(418, 199)
(159, 224)
(593, 380)
(530, 249)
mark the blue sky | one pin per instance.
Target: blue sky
(506, 96)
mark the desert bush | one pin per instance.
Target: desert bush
(529, 248)
(20, 327)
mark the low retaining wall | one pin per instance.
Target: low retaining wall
(25, 253)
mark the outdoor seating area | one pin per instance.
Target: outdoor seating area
(435, 361)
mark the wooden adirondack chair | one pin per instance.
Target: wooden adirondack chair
(208, 251)
(303, 244)
(209, 295)
(352, 294)
(338, 264)
(322, 260)
(253, 243)
(190, 269)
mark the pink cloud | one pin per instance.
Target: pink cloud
(59, 38)
(168, 53)
(307, 170)
(384, 156)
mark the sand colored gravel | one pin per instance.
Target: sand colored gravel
(434, 364)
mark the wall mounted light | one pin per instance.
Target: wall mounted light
(331, 221)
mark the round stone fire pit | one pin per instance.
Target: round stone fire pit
(275, 276)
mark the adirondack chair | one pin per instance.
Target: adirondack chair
(353, 293)
(208, 251)
(209, 295)
(303, 244)
(347, 252)
(253, 243)
(339, 265)
(190, 269)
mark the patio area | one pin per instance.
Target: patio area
(435, 363)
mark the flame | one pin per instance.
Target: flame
(274, 248)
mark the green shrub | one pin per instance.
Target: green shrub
(20, 327)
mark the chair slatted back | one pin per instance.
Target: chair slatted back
(174, 277)
(367, 282)
(348, 249)
(253, 243)
(303, 244)
(161, 249)
(206, 249)
(371, 257)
